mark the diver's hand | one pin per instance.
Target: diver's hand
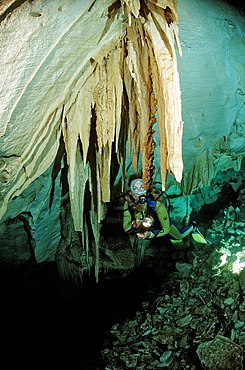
(137, 222)
(145, 235)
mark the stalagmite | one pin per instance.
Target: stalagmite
(109, 100)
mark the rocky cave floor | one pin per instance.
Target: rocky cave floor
(196, 318)
(182, 309)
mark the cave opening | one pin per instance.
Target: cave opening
(229, 195)
(208, 212)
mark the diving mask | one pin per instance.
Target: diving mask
(137, 187)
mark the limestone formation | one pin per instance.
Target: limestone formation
(101, 98)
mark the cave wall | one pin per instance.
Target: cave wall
(211, 70)
(38, 224)
(212, 83)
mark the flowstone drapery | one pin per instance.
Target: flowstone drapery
(100, 100)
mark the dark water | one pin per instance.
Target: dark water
(46, 324)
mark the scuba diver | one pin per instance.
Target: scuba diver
(147, 217)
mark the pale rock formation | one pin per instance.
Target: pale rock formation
(95, 80)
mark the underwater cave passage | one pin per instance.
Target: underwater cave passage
(55, 324)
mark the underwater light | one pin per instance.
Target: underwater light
(227, 261)
(239, 264)
(223, 260)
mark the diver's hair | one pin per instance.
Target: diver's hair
(138, 176)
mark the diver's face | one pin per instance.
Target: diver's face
(137, 189)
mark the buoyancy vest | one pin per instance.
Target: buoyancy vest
(149, 212)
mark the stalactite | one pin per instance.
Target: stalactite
(168, 95)
(149, 145)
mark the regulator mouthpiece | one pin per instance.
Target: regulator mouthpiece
(142, 199)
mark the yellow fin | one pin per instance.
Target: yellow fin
(198, 237)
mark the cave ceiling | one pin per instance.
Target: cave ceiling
(93, 83)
